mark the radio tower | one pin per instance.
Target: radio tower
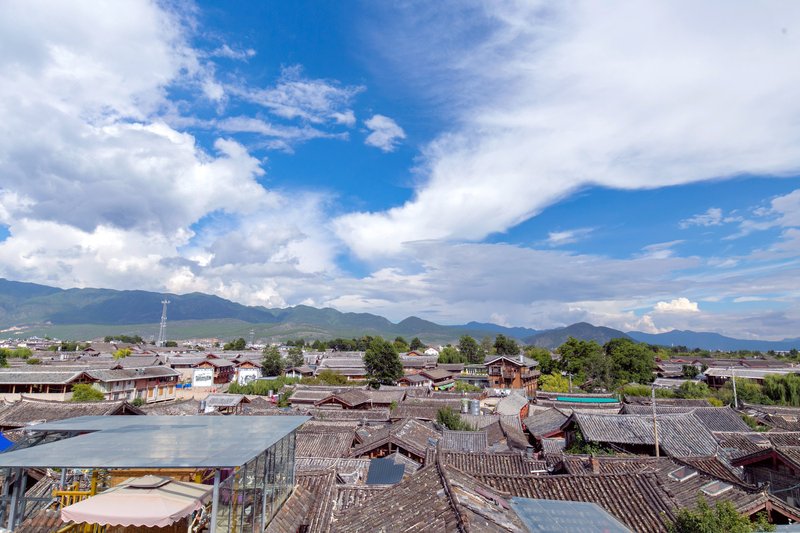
(162, 331)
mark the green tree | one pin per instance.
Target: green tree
(583, 359)
(505, 345)
(487, 346)
(416, 344)
(122, 353)
(318, 346)
(469, 350)
(694, 389)
(631, 362)
(3, 358)
(400, 344)
(450, 355)
(238, 344)
(382, 363)
(331, 377)
(295, 356)
(86, 393)
(171, 344)
(783, 390)
(542, 355)
(272, 362)
(722, 517)
(554, 382)
(137, 402)
(33, 361)
(450, 419)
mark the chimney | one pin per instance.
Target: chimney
(595, 464)
(529, 452)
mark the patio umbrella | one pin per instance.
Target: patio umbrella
(149, 501)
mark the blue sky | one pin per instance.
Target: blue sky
(632, 165)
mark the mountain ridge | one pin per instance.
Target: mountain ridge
(37, 307)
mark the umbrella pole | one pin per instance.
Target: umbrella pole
(212, 528)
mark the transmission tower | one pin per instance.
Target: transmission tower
(162, 331)
(252, 337)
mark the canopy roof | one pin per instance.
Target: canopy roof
(149, 501)
(154, 441)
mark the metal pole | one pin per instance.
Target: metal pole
(12, 511)
(63, 481)
(570, 383)
(655, 423)
(735, 398)
(212, 528)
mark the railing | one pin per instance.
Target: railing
(75, 495)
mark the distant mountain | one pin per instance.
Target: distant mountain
(40, 307)
(87, 313)
(582, 330)
(494, 329)
(711, 341)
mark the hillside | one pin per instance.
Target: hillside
(582, 330)
(30, 309)
(711, 341)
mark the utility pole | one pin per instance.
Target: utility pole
(162, 331)
(735, 398)
(655, 423)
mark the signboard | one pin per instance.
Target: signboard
(203, 377)
(246, 375)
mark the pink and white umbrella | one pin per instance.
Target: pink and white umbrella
(149, 501)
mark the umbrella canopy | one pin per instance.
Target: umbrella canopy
(149, 501)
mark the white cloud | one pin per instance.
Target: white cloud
(99, 191)
(622, 94)
(295, 96)
(384, 133)
(558, 238)
(227, 52)
(679, 305)
(712, 217)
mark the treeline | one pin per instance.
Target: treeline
(356, 344)
(128, 339)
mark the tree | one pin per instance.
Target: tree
(505, 345)
(631, 362)
(171, 344)
(450, 355)
(272, 363)
(487, 347)
(330, 377)
(469, 350)
(722, 517)
(295, 357)
(86, 393)
(694, 389)
(382, 363)
(452, 420)
(542, 355)
(554, 382)
(122, 353)
(576, 356)
(318, 346)
(416, 344)
(400, 344)
(783, 390)
(238, 344)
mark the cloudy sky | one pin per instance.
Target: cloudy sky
(632, 164)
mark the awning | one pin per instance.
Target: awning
(149, 501)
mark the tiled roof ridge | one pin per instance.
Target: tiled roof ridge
(448, 491)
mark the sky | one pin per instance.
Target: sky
(631, 164)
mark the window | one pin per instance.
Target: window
(682, 474)
(715, 488)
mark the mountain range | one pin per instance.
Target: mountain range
(30, 309)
